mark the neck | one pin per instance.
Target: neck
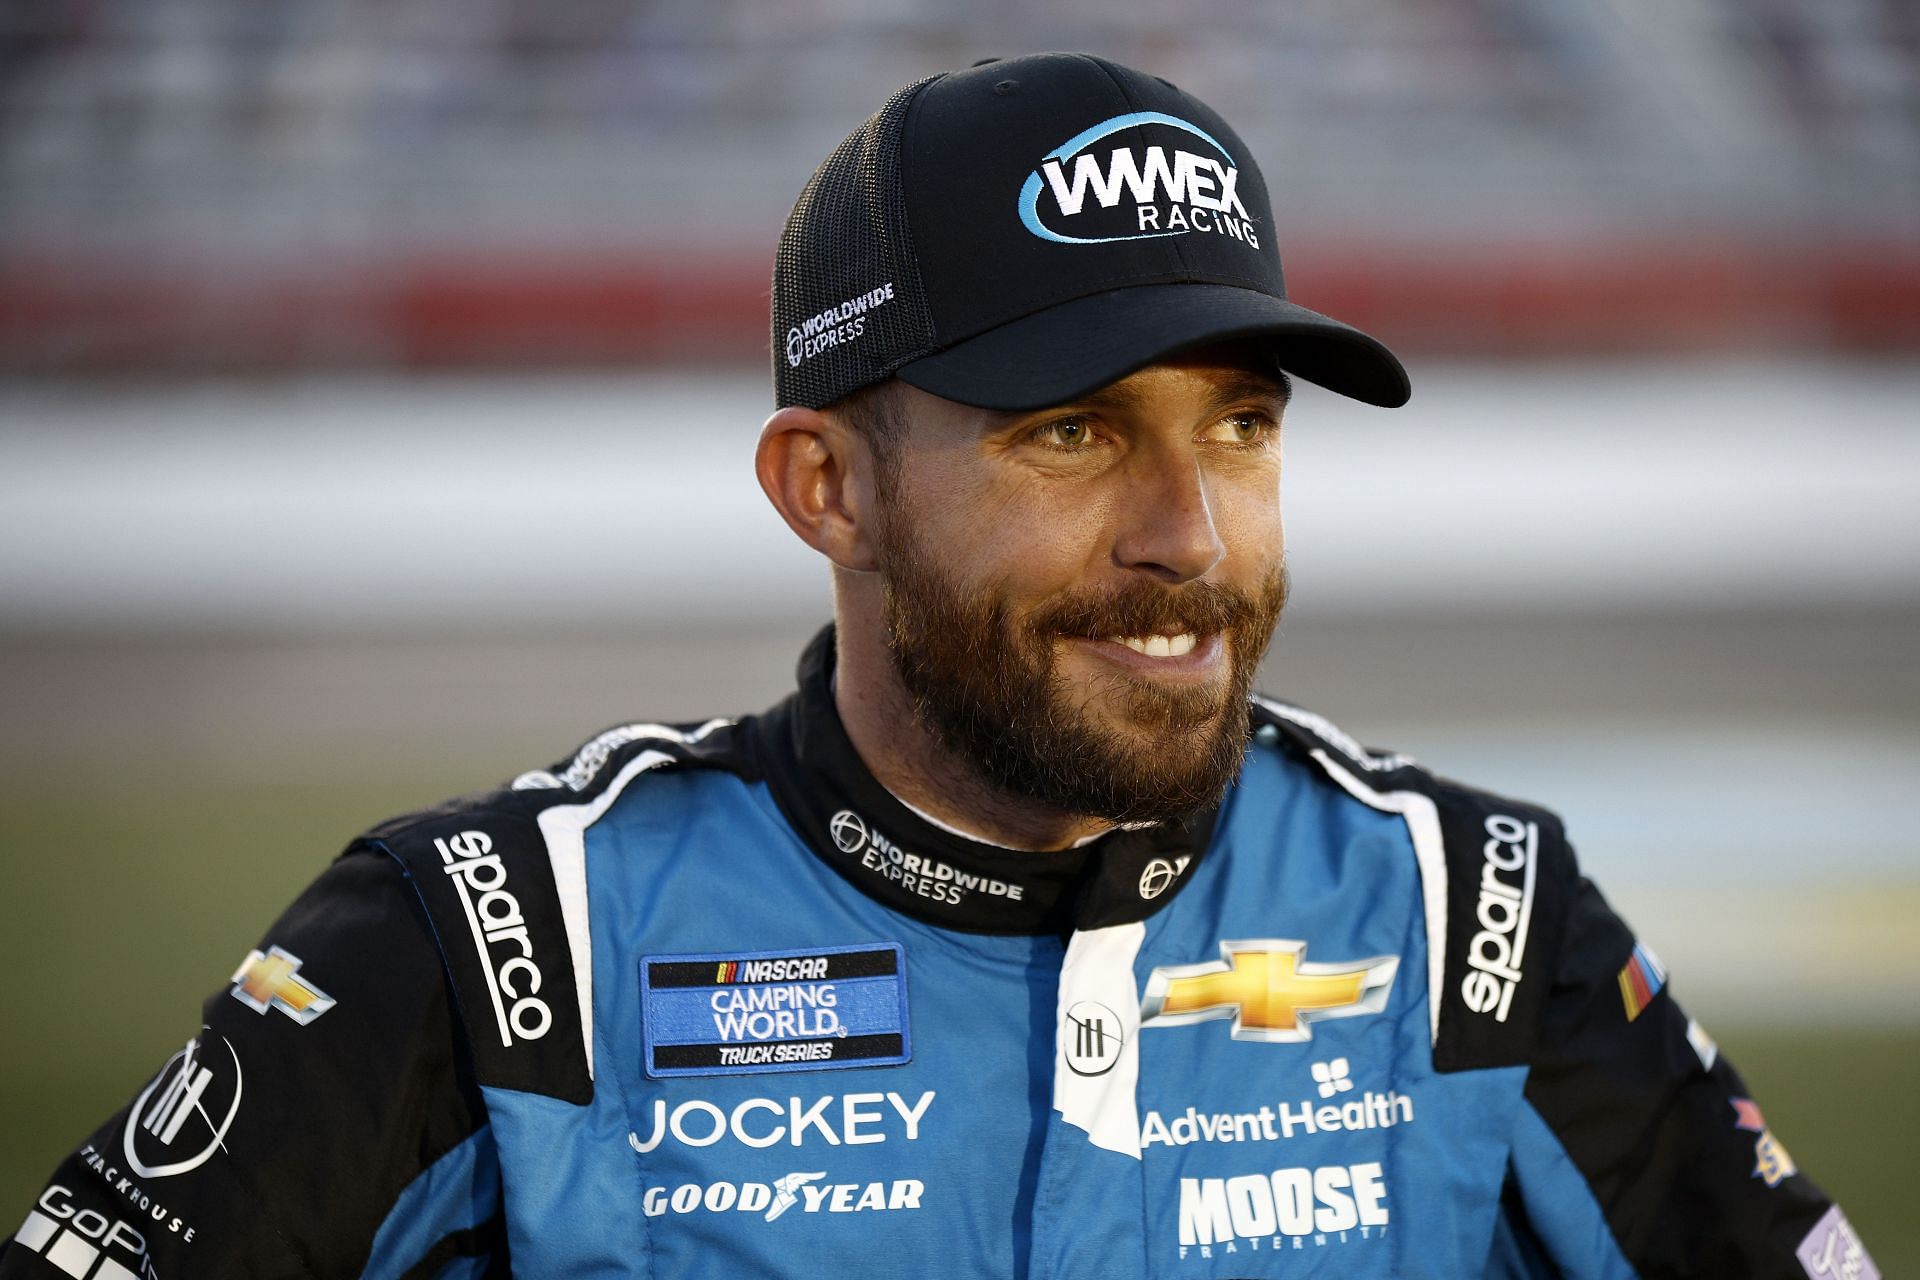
(907, 759)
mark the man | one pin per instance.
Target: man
(1021, 940)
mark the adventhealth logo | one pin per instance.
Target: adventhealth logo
(1087, 193)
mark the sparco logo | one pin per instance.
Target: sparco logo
(928, 877)
(1171, 179)
(1504, 912)
(1286, 1202)
(494, 916)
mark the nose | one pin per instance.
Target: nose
(1169, 528)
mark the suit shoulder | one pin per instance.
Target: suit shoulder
(501, 876)
(1312, 734)
(1384, 777)
(1499, 882)
(603, 763)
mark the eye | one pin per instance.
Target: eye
(1064, 433)
(1245, 426)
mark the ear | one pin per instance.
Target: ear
(818, 474)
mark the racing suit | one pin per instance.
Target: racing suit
(708, 1000)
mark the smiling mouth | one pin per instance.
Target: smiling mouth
(1158, 646)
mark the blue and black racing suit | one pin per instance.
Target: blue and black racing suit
(707, 1000)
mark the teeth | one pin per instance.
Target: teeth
(1160, 646)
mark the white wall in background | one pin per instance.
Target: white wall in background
(513, 500)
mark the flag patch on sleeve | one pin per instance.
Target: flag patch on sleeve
(1641, 980)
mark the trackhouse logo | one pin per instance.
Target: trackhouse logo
(1092, 1038)
(137, 1197)
(181, 1118)
(1169, 179)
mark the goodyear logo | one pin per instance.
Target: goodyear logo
(732, 1014)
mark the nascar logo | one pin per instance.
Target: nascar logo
(791, 969)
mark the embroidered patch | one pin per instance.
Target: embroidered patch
(1770, 1160)
(1832, 1251)
(1702, 1044)
(740, 1012)
(1641, 980)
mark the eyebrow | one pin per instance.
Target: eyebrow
(1243, 386)
(1255, 386)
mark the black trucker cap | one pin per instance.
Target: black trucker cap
(1028, 230)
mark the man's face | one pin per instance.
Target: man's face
(1077, 598)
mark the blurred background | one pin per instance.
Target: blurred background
(378, 384)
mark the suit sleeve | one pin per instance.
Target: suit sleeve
(320, 1121)
(1640, 1150)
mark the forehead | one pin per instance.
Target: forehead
(1209, 374)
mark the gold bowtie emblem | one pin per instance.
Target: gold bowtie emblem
(1268, 989)
(271, 980)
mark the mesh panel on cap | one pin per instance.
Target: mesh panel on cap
(848, 308)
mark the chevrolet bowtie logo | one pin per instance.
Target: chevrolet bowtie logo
(273, 981)
(1270, 992)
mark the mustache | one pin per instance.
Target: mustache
(1146, 608)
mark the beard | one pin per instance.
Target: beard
(984, 682)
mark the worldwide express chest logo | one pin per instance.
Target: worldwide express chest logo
(735, 1013)
(1168, 178)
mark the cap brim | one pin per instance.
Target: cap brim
(1077, 347)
